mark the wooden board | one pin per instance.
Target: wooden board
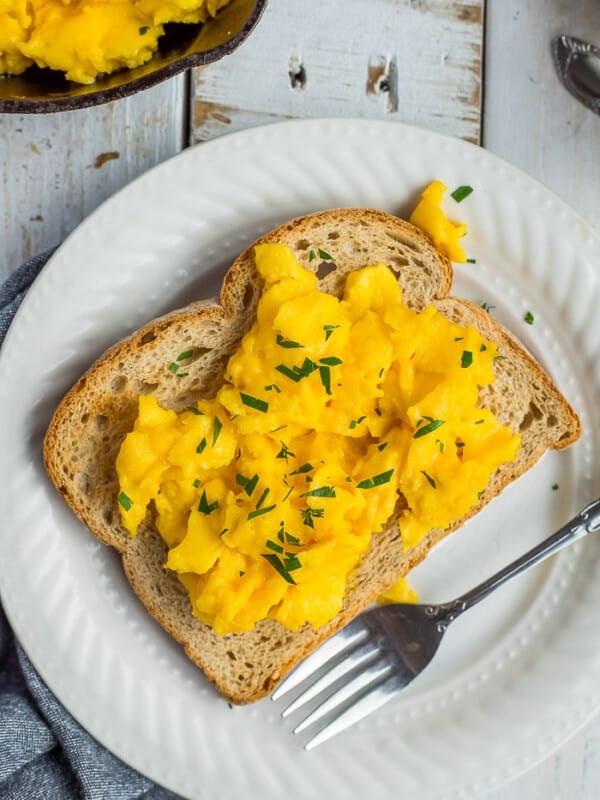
(57, 168)
(417, 61)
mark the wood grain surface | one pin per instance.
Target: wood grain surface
(417, 61)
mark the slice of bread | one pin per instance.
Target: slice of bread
(87, 429)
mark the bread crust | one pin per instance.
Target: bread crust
(88, 427)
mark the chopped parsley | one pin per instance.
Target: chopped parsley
(272, 387)
(329, 329)
(308, 514)
(322, 491)
(173, 367)
(529, 318)
(297, 373)
(432, 425)
(217, 427)
(356, 422)
(382, 446)
(304, 468)
(466, 359)
(555, 487)
(283, 567)
(283, 342)
(325, 375)
(285, 452)
(331, 361)
(125, 501)
(201, 446)
(254, 402)
(262, 498)
(376, 480)
(195, 411)
(487, 307)
(324, 255)
(247, 484)
(144, 30)
(471, 260)
(185, 355)
(205, 507)
(259, 511)
(429, 479)
(312, 255)
(461, 192)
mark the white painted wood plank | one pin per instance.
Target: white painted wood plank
(529, 118)
(57, 168)
(418, 62)
(533, 122)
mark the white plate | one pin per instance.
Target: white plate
(512, 680)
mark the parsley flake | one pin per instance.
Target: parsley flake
(217, 427)
(529, 318)
(285, 452)
(276, 562)
(254, 402)
(247, 484)
(432, 425)
(125, 501)
(283, 342)
(308, 514)
(322, 491)
(429, 479)
(258, 511)
(329, 329)
(205, 507)
(304, 468)
(325, 375)
(376, 480)
(461, 192)
(467, 359)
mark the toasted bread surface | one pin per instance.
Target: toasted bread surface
(87, 429)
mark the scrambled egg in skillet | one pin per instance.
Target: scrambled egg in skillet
(86, 38)
(268, 495)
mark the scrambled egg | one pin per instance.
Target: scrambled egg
(429, 217)
(268, 495)
(86, 38)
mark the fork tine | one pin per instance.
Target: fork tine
(365, 652)
(358, 685)
(347, 637)
(370, 700)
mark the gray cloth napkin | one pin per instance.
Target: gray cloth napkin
(44, 753)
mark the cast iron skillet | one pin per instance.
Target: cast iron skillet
(40, 91)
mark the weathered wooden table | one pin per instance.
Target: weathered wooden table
(475, 70)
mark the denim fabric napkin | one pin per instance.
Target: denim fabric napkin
(44, 753)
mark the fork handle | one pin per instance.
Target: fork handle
(587, 521)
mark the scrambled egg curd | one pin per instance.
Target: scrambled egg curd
(429, 217)
(86, 38)
(268, 495)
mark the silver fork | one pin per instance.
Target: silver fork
(380, 652)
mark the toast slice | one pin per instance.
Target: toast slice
(87, 429)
